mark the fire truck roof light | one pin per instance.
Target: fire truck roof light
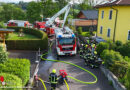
(59, 36)
(73, 35)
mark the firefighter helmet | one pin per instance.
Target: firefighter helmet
(54, 71)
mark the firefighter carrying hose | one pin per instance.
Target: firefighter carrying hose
(53, 79)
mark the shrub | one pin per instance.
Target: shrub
(110, 56)
(2, 25)
(112, 45)
(11, 81)
(102, 46)
(119, 68)
(79, 30)
(127, 79)
(28, 44)
(18, 67)
(125, 49)
(3, 55)
(118, 43)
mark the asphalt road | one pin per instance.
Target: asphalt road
(47, 66)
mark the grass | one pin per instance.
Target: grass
(14, 36)
(87, 34)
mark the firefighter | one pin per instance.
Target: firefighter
(93, 48)
(53, 79)
(62, 76)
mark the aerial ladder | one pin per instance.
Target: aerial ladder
(66, 9)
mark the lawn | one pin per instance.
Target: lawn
(14, 36)
(87, 34)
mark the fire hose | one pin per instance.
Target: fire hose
(72, 65)
(43, 83)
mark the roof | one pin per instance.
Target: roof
(90, 14)
(114, 3)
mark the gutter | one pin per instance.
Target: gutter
(115, 23)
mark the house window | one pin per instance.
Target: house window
(129, 35)
(102, 14)
(110, 15)
(101, 29)
(108, 32)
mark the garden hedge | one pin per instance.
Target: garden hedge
(11, 81)
(42, 42)
(3, 54)
(18, 67)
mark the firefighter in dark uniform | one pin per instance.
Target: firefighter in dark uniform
(53, 79)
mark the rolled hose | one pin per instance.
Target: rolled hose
(73, 65)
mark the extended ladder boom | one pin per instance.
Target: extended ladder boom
(65, 9)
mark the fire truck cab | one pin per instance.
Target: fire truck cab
(65, 41)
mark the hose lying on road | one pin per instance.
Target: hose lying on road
(43, 83)
(66, 84)
(73, 65)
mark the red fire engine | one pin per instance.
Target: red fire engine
(18, 23)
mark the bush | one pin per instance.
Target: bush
(28, 44)
(110, 56)
(119, 68)
(11, 81)
(127, 78)
(118, 43)
(112, 45)
(3, 55)
(18, 67)
(101, 47)
(80, 30)
(2, 25)
(125, 49)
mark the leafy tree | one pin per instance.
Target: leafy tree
(34, 11)
(2, 25)
(11, 11)
(80, 30)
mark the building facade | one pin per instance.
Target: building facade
(114, 20)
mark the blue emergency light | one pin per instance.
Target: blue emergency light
(73, 35)
(59, 36)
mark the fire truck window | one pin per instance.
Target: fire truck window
(67, 41)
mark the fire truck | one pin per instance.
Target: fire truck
(65, 41)
(40, 25)
(65, 38)
(18, 23)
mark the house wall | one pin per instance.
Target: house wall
(123, 24)
(85, 22)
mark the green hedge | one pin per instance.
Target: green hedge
(3, 54)
(11, 81)
(28, 44)
(18, 67)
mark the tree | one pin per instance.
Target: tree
(96, 2)
(11, 11)
(34, 11)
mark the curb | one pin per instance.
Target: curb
(111, 77)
